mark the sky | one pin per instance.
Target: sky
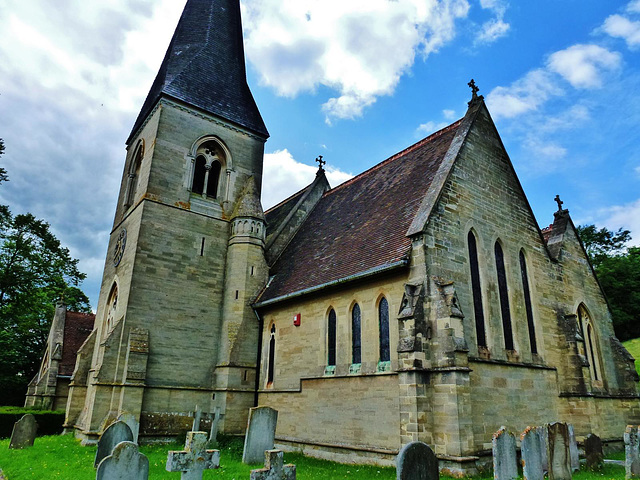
(355, 81)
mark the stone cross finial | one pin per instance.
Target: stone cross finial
(274, 468)
(474, 93)
(321, 163)
(559, 202)
(195, 458)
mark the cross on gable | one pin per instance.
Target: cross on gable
(321, 163)
(194, 459)
(559, 202)
(274, 468)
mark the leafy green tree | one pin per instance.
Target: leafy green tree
(36, 272)
(618, 269)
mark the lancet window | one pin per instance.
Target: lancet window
(383, 321)
(587, 330)
(504, 297)
(133, 177)
(356, 335)
(331, 339)
(272, 356)
(527, 303)
(476, 289)
(207, 169)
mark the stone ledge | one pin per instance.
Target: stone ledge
(512, 364)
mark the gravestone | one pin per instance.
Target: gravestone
(531, 451)
(124, 463)
(261, 434)
(573, 450)
(558, 454)
(593, 452)
(505, 465)
(194, 459)
(631, 453)
(133, 423)
(197, 416)
(213, 435)
(274, 468)
(114, 434)
(416, 461)
(24, 432)
(543, 432)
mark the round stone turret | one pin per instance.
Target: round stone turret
(247, 220)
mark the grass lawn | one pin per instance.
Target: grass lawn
(62, 457)
(634, 349)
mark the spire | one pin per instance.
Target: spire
(204, 66)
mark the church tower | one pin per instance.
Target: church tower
(174, 326)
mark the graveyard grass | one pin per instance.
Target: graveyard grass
(62, 457)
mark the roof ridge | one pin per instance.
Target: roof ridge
(401, 153)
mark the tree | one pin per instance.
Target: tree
(36, 272)
(618, 270)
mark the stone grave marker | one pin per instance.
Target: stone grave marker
(195, 458)
(274, 468)
(133, 423)
(416, 461)
(558, 454)
(631, 453)
(261, 434)
(24, 432)
(213, 435)
(114, 434)
(543, 432)
(505, 465)
(124, 463)
(531, 452)
(593, 452)
(197, 416)
(573, 450)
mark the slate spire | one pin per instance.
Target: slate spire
(204, 66)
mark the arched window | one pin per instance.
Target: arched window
(477, 291)
(383, 321)
(527, 303)
(504, 297)
(272, 356)
(112, 307)
(356, 335)
(331, 339)
(587, 330)
(198, 175)
(134, 175)
(207, 168)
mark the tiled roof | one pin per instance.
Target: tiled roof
(360, 225)
(77, 328)
(204, 66)
(275, 215)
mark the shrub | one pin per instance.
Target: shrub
(49, 423)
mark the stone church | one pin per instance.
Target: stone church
(420, 300)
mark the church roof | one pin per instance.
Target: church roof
(77, 327)
(204, 66)
(360, 226)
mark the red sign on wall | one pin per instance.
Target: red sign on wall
(296, 319)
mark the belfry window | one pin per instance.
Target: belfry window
(478, 310)
(272, 356)
(504, 297)
(112, 307)
(527, 303)
(356, 335)
(207, 169)
(383, 321)
(133, 177)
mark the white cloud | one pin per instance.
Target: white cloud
(634, 6)
(493, 30)
(360, 48)
(430, 127)
(621, 27)
(622, 216)
(524, 95)
(287, 176)
(583, 65)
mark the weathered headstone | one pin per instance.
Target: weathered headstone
(261, 434)
(114, 434)
(213, 435)
(543, 432)
(197, 416)
(124, 463)
(593, 452)
(505, 464)
(416, 461)
(631, 453)
(133, 423)
(24, 432)
(558, 454)
(531, 452)
(573, 450)
(194, 459)
(274, 468)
